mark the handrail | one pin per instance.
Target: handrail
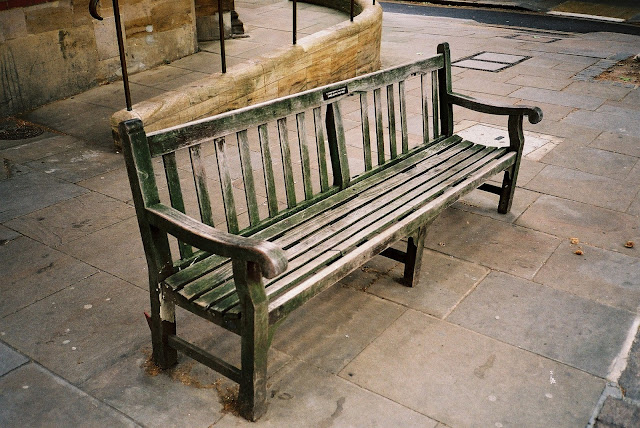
(93, 10)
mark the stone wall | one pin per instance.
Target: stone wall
(340, 52)
(52, 50)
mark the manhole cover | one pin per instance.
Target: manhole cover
(11, 129)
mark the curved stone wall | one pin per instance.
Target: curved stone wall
(342, 51)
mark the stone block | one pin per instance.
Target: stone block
(12, 24)
(49, 17)
(106, 40)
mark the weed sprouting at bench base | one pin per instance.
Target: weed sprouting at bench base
(247, 215)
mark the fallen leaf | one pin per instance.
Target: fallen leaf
(575, 241)
(578, 252)
(629, 244)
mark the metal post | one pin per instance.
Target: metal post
(295, 20)
(351, 13)
(221, 25)
(93, 4)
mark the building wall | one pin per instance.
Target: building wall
(54, 49)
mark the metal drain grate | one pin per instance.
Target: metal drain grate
(12, 129)
(490, 61)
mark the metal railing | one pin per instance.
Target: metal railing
(93, 10)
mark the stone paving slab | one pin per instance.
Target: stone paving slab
(583, 187)
(600, 275)
(32, 271)
(444, 281)
(116, 249)
(82, 329)
(335, 327)
(305, 396)
(88, 122)
(158, 399)
(31, 150)
(606, 122)
(7, 235)
(624, 144)
(592, 225)
(559, 98)
(490, 242)
(545, 321)
(32, 191)
(594, 161)
(10, 359)
(485, 203)
(32, 396)
(72, 219)
(479, 392)
(78, 163)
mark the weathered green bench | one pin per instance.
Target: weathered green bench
(291, 222)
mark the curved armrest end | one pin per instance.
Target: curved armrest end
(534, 115)
(271, 258)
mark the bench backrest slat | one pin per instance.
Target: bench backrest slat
(435, 104)
(377, 107)
(247, 176)
(225, 186)
(304, 156)
(259, 164)
(267, 164)
(391, 116)
(366, 133)
(321, 149)
(285, 151)
(200, 181)
(403, 117)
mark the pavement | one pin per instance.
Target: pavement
(524, 320)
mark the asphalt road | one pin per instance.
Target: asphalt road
(531, 20)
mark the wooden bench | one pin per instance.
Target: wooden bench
(302, 190)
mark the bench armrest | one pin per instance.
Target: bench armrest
(271, 259)
(534, 114)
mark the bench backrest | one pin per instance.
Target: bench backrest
(245, 169)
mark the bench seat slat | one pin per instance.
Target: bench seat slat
(308, 256)
(285, 303)
(179, 279)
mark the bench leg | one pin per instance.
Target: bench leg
(163, 324)
(508, 189)
(254, 341)
(413, 260)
